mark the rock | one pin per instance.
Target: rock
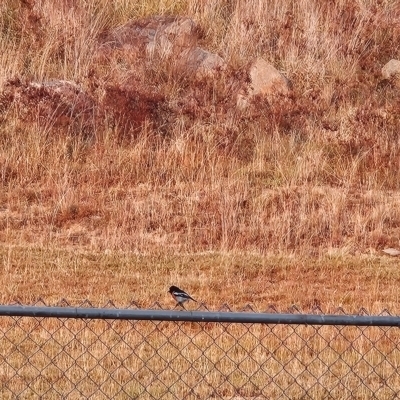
(65, 105)
(57, 103)
(170, 38)
(391, 73)
(391, 70)
(392, 252)
(201, 63)
(264, 80)
(157, 35)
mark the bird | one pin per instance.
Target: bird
(180, 296)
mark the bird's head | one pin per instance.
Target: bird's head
(173, 289)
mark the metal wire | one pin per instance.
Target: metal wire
(111, 353)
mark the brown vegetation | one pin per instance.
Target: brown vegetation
(171, 165)
(147, 176)
(214, 279)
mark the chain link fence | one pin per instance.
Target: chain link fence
(110, 353)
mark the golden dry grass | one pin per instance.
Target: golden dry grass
(318, 172)
(74, 356)
(289, 205)
(165, 360)
(236, 279)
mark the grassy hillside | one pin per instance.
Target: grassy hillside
(316, 174)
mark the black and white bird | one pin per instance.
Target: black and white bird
(179, 296)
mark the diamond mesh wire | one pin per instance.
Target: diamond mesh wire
(51, 358)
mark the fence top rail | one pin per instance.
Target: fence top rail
(197, 316)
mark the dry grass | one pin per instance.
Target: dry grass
(215, 360)
(287, 204)
(162, 360)
(236, 279)
(319, 171)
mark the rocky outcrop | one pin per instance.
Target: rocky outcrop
(155, 36)
(65, 105)
(138, 57)
(169, 38)
(57, 103)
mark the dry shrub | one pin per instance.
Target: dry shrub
(129, 108)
